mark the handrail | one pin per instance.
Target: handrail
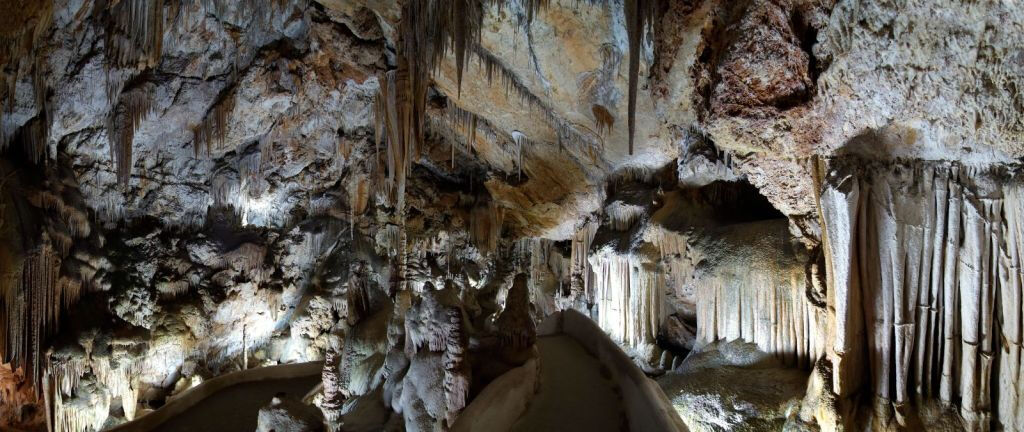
(647, 407)
(189, 398)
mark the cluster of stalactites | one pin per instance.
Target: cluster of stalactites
(765, 309)
(464, 121)
(567, 133)
(548, 269)
(32, 303)
(134, 31)
(398, 114)
(629, 299)
(485, 223)
(595, 85)
(211, 132)
(924, 265)
(123, 122)
(20, 52)
(582, 274)
(75, 410)
(429, 29)
(39, 286)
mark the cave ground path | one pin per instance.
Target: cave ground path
(235, 408)
(576, 392)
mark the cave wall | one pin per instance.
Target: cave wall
(216, 186)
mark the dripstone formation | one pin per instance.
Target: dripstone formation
(722, 215)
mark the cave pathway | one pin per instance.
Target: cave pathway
(576, 392)
(235, 408)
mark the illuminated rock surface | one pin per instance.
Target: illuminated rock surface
(822, 195)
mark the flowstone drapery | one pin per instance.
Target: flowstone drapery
(925, 279)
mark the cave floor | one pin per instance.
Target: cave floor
(576, 392)
(235, 408)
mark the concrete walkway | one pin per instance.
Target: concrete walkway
(228, 402)
(235, 408)
(576, 393)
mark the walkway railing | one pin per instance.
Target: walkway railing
(189, 398)
(647, 407)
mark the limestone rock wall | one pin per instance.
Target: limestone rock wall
(199, 186)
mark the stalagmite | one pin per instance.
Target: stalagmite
(515, 326)
(333, 387)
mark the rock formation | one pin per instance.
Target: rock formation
(818, 197)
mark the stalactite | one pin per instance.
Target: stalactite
(629, 300)
(639, 20)
(485, 223)
(520, 140)
(358, 199)
(211, 132)
(124, 121)
(33, 306)
(622, 216)
(762, 308)
(582, 281)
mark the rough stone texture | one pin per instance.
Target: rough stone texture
(254, 227)
(287, 414)
(732, 386)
